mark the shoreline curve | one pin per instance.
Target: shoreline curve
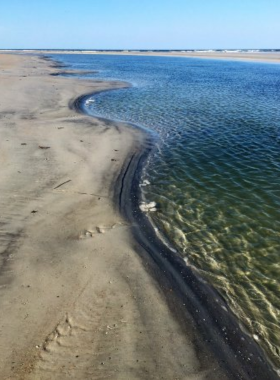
(220, 329)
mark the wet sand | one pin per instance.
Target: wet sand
(79, 297)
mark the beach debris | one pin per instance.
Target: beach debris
(63, 183)
(44, 147)
(113, 159)
(60, 127)
(34, 211)
(146, 207)
(23, 144)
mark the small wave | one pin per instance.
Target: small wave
(89, 101)
(145, 183)
(232, 51)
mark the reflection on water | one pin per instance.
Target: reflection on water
(215, 175)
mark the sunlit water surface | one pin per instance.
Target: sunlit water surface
(215, 173)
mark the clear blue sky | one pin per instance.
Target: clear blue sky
(139, 24)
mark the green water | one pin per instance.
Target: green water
(215, 171)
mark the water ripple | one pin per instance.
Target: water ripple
(215, 175)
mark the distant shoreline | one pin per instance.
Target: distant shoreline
(266, 56)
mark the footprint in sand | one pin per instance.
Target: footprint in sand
(85, 234)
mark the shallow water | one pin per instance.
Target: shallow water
(215, 172)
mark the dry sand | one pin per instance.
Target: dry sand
(240, 56)
(76, 299)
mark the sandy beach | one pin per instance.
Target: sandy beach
(77, 299)
(241, 56)
(87, 289)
